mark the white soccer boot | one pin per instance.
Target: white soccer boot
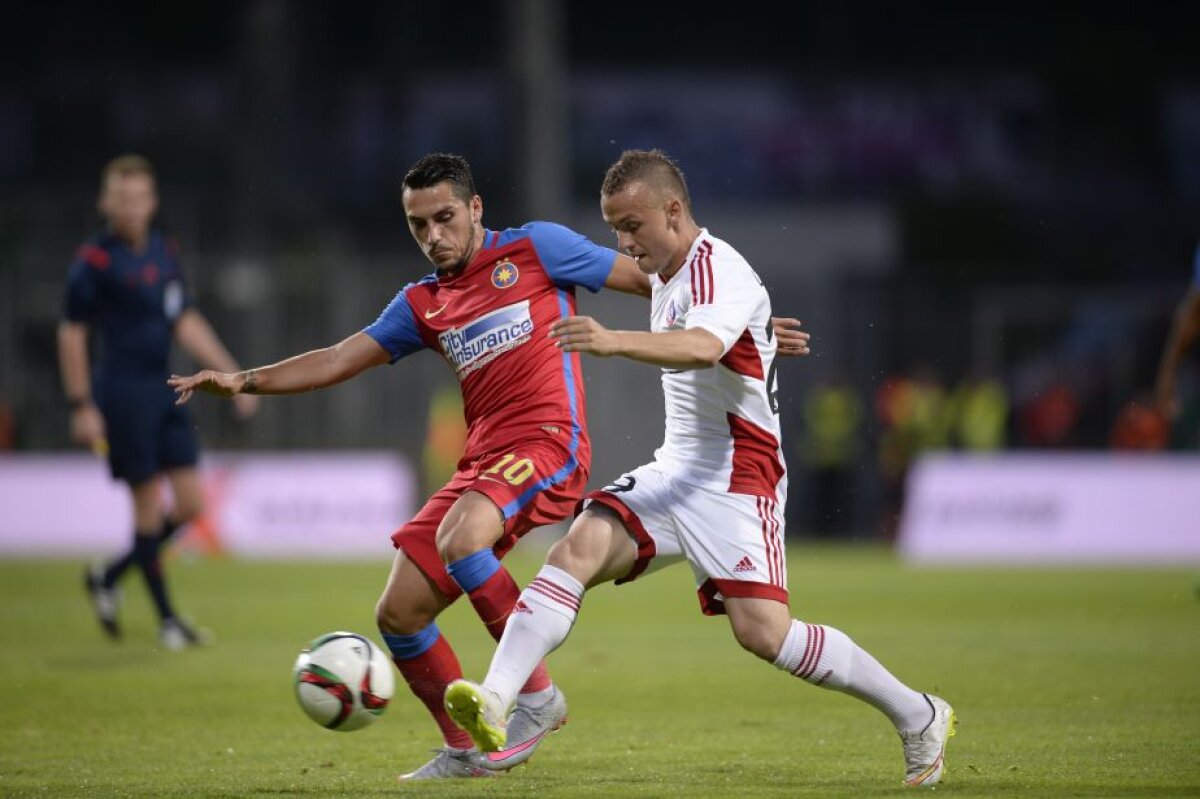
(105, 601)
(477, 710)
(176, 635)
(925, 749)
(527, 726)
(449, 764)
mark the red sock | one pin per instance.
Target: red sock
(427, 675)
(494, 601)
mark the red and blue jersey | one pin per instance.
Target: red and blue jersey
(491, 320)
(132, 300)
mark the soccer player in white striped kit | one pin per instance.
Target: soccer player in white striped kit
(715, 491)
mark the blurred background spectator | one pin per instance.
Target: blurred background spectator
(978, 410)
(833, 429)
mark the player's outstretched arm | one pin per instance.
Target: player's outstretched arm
(673, 349)
(308, 372)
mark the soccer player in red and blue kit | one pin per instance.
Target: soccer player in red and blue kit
(126, 288)
(487, 310)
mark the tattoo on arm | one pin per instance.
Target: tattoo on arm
(250, 386)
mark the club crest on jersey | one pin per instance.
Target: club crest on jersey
(672, 314)
(481, 340)
(505, 274)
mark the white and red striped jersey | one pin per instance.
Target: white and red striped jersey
(722, 428)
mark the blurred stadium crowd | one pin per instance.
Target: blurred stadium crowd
(984, 217)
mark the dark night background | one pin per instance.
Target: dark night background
(1009, 191)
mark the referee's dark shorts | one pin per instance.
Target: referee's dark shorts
(147, 432)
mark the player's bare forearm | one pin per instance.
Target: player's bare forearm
(296, 375)
(674, 349)
(627, 278)
(73, 362)
(87, 424)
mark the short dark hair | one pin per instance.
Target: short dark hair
(646, 166)
(125, 166)
(438, 168)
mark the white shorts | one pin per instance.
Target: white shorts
(733, 542)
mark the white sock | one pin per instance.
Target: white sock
(827, 657)
(536, 698)
(541, 620)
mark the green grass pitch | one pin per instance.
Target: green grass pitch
(1067, 682)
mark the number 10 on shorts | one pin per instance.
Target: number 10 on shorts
(514, 471)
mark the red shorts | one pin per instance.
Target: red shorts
(535, 482)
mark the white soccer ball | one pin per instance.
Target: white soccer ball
(343, 681)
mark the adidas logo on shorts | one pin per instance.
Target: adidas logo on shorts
(744, 565)
(521, 607)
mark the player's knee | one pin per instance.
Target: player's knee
(579, 555)
(385, 619)
(453, 543)
(757, 639)
(453, 540)
(563, 556)
(444, 541)
(397, 619)
(469, 527)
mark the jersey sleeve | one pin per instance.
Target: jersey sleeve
(1196, 268)
(569, 258)
(396, 328)
(728, 304)
(82, 292)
